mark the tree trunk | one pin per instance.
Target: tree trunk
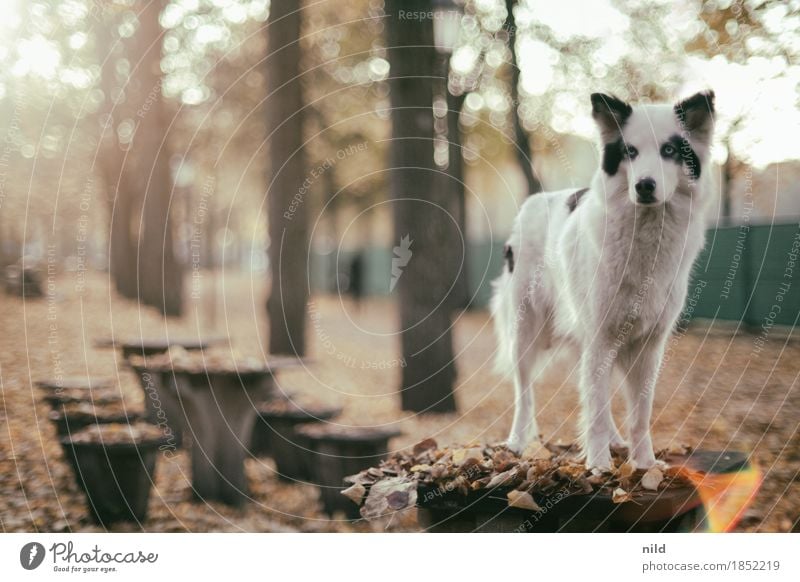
(110, 159)
(522, 147)
(420, 263)
(286, 197)
(121, 251)
(455, 170)
(160, 275)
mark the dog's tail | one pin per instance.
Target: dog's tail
(503, 313)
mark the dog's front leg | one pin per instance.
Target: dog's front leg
(645, 361)
(598, 429)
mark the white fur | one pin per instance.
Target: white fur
(608, 280)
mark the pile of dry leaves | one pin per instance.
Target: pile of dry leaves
(537, 473)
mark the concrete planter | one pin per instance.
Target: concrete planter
(289, 450)
(69, 421)
(337, 452)
(116, 478)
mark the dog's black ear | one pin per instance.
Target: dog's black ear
(610, 114)
(696, 115)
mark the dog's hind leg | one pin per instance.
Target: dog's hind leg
(528, 340)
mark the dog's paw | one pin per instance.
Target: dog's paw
(514, 445)
(599, 462)
(644, 461)
(518, 445)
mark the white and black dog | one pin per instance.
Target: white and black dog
(605, 270)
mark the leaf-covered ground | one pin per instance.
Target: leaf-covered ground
(717, 391)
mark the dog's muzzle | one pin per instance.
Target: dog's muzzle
(645, 191)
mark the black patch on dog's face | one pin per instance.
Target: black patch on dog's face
(574, 199)
(612, 157)
(613, 154)
(508, 254)
(682, 153)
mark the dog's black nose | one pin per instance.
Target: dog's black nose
(645, 189)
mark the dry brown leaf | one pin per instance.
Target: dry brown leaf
(503, 459)
(537, 451)
(522, 500)
(424, 468)
(355, 493)
(390, 494)
(438, 471)
(625, 470)
(620, 495)
(501, 478)
(425, 445)
(652, 479)
(460, 456)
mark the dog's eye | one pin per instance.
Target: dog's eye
(668, 150)
(630, 151)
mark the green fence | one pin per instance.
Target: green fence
(748, 274)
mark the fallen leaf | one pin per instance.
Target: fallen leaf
(625, 470)
(503, 460)
(461, 455)
(355, 493)
(424, 445)
(424, 468)
(620, 495)
(652, 479)
(501, 478)
(522, 500)
(471, 467)
(390, 494)
(438, 471)
(537, 451)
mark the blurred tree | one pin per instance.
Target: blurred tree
(286, 193)
(111, 163)
(420, 225)
(134, 160)
(160, 275)
(521, 139)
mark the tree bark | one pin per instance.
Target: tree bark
(121, 249)
(420, 217)
(286, 197)
(522, 147)
(455, 170)
(160, 276)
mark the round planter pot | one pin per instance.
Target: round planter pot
(161, 403)
(116, 478)
(277, 424)
(69, 422)
(261, 436)
(337, 452)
